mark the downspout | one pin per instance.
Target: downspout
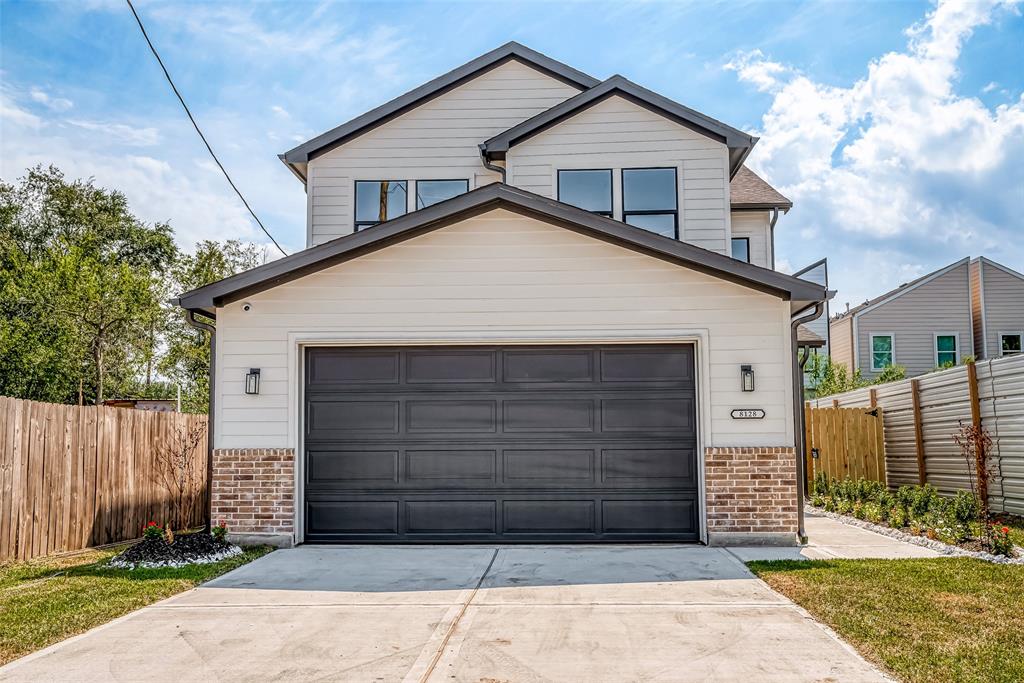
(500, 170)
(771, 231)
(207, 327)
(798, 414)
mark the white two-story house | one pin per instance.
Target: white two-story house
(534, 306)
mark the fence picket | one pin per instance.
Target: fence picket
(849, 442)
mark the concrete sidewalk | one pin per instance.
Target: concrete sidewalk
(434, 613)
(828, 539)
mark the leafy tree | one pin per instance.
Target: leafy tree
(80, 288)
(186, 360)
(824, 377)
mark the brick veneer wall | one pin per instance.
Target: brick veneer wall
(254, 489)
(751, 489)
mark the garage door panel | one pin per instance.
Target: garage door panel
(451, 417)
(548, 365)
(496, 444)
(361, 467)
(447, 366)
(549, 467)
(472, 467)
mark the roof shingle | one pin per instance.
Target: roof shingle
(749, 191)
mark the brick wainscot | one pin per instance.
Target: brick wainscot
(254, 494)
(751, 495)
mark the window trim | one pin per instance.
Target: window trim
(358, 225)
(416, 194)
(660, 212)
(935, 346)
(999, 336)
(611, 188)
(745, 239)
(871, 349)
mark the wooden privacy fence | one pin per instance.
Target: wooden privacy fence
(922, 414)
(72, 477)
(845, 442)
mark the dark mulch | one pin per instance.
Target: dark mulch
(187, 548)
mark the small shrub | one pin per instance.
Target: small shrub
(964, 508)
(897, 517)
(219, 532)
(843, 506)
(168, 534)
(998, 540)
(830, 504)
(152, 531)
(873, 513)
(857, 510)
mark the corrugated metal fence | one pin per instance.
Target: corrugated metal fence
(940, 401)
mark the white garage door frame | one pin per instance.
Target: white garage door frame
(298, 341)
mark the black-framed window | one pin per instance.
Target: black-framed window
(589, 189)
(741, 249)
(429, 192)
(380, 200)
(650, 200)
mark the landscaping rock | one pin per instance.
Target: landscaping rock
(195, 548)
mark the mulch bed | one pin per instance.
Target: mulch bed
(195, 548)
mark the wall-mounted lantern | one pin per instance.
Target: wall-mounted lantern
(252, 381)
(747, 378)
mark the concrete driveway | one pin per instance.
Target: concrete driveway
(482, 614)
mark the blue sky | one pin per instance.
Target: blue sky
(896, 128)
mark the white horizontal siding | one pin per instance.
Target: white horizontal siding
(437, 140)
(617, 134)
(498, 277)
(754, 226)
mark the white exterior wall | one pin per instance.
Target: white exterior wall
(754, 225)
(501, 277)
(617, 134)
(437, 140)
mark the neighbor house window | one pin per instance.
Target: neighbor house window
(946, 352)
(883, 351)
(1010, 343)
(433, 191)
(590, 190)
(649, 199)
(741, 249)
(380, 200)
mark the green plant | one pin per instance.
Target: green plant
(219, 532)
(873, 513)
(857, 510)
(997, 538)
(152, 531)
(844, 506)
(897, 517)
(964, 508)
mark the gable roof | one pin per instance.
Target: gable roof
(295, 158)
(901, 290)
(738, 142)
(482, 200)
(999, 266)
(747, 190)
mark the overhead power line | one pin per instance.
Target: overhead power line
(195, 125)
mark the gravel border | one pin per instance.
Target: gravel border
(922, 541)
(208, 559)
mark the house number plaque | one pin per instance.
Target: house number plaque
(748, 414)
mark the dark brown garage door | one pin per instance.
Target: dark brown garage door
(500, 444)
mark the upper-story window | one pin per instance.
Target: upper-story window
(946, 351)
(883, 351)
(380, 200)
(588, 189)
(741, 249)
(649, 199)
(1010, 343)
(430, 192)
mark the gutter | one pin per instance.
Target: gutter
(488, 165)
(206, 327)
(771, 231)
(798, 414)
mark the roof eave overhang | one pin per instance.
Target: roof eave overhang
(784, 207)
(481, 201)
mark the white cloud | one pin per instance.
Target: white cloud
(120, 132)
(13, 116)
(898, 159)
(280, 111)
(992, 85)
(54, 103)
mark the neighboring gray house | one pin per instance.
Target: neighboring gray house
(997, 302)
(534, 306)
(920, 325)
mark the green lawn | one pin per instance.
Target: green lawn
(940, 619)
(48, 600)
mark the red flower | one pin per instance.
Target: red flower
(1006, 529)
